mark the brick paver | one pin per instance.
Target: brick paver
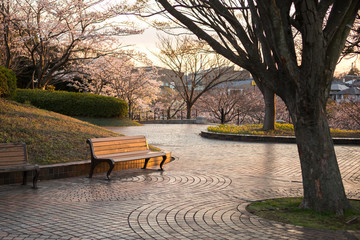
(201, 195)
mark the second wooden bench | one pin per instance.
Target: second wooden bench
(13, 158)
(115, 149)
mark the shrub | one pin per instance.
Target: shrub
(74, 104)
(3, 85)
(7, 82)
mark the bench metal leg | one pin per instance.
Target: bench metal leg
(162, 163)
(35, 179)
(24, 178)
(92, 167)
(111, 166)
(146, 162)
(95, 163)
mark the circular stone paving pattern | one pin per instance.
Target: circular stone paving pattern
(212, 220)
(134, 187)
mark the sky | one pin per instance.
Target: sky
(147, 43)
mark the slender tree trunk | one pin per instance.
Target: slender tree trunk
(269, 100)
(7, 49)
(322, 183)
(270, 109)
(168, 113)
(130, 110)
(188, 111)
(222, 114)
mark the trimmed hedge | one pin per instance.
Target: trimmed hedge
(73, 104)
(7, 82)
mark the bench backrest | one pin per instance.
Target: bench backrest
(13, 154)
(112, 145)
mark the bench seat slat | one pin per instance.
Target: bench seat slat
(138, 157)
(11, 152)
(12, 163)
(19, 168)
(11, 147)
(119, 147)
(114, 151)
(96, 140)
(14, 159)
(122, 154)
(138, 154)
(120, 142)
(13, 156)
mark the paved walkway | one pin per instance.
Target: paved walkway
(201, 195)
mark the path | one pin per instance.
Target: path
(202, 195)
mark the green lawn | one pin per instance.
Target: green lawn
(287, 210)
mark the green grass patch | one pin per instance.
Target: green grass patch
(281, 129)
(50, 137)
(110, 122)
(287, 210)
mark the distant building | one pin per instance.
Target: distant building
(335, 88)
(352, 93)
(237, 79)
(347, 78)
(346, 89)
(167, 77)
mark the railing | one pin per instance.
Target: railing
(161, 114)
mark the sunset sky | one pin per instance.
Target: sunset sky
(147, 42)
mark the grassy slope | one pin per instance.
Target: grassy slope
(50, 137)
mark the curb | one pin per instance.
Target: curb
(274, 139)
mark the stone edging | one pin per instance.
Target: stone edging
(79, 168)
(275, 139)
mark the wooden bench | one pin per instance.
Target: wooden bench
(115, 149)
(13, 158)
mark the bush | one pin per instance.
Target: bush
(3, 85)
(74, 104)
(7, 82)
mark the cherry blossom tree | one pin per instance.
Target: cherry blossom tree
(10, 45)
(197, 69)
(345, 114)
(57, 33)
(171, 101)
(222, 103)
(118, 77)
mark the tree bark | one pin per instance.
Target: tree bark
(222, 114)
(130, 110)
(188, 111)
(269, 100)
(270, 109)
(322, 183)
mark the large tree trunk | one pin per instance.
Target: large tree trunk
(270, 109)
(322, 183)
